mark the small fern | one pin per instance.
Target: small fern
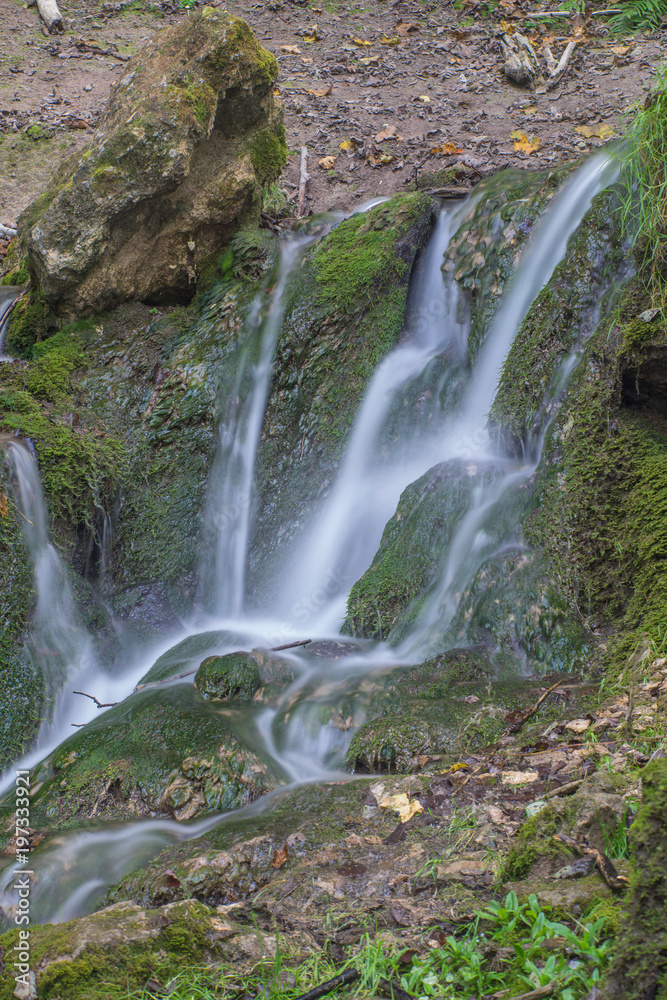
(638, 15)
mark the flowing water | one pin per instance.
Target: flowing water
(8, 294)
(422, 408)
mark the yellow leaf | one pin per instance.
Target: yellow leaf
(361, 41)
(447, 149)
(348, 145)
(424, 98)
(327, 162)
(595, 131)
(314, 35)
(390, 41)
(530, 111)
(378, 159)
(291, 50)
(405, 807)
(524, 144)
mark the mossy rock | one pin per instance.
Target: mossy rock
(344, 310)
(639, 966)
(161, 751)
(188, 138)
(392, 743)
(120, 948)
(235, 675)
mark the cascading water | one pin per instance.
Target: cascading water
(387, 451)
(8, 295)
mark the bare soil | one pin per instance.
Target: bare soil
(426, 73)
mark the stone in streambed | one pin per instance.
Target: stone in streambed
(234, 675)
(190, 134)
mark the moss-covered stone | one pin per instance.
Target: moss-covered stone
(189, 136)
(234, 675)
(639, 967)
(344, 311)
(121, 948)
(161, 751)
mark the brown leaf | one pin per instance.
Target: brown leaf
(352, 870)
(388, 132)
(370, 61)
(4, 506)
(378, 159)
(171, 880)
(327, 162)
(280, 856)
(404, 27)
(321, 93)
(291, 50)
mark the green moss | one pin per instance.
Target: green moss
(637, 970)
(122, 950)
(532, 841)
(268, 152)
(29, 322)
(234, 675)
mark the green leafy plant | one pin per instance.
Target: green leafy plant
(638, 15)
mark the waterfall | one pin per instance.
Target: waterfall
(244, 402)
(421, 408)
(8, 295)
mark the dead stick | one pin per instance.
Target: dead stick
(290, 645)
(561, 69)
(542, 991)
(567, 789)
(50, 15)
(348, 976)
(531, 711)
(304, 178)
(107, 704)
(552, 65)
(571, 13)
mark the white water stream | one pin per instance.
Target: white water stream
(343, 537)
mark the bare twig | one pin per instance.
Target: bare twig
(516, 726)
(290, 645)
(6, 233)
(567, 789)
(100, 704)
(561, 69)
(541, 991)
(571, 13)
(303, 180)
(349, 976)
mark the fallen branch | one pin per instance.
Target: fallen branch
(107, 704)
(561, 69)
(567, 789)
(449, 192)
(349, 976)
(516, 726)
(541, 991)
(571, 13)
(303, 180)
(6, 233)
(50, 15)
(602, 862)
(290, 645)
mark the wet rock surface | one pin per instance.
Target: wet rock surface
(189, 136)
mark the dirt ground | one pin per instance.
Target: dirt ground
(408, 87)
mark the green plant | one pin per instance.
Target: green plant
(617, 839)
(644, 157)
(638, 15)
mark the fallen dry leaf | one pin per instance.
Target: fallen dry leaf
(314, 35)
(321, 93)
(578, 725)
(405, 807)
(370, 61)
(361, 41)
(524, 144)
(4, 507)
(388, 132)
(291, 50)
(447, 149)
(595, 131)
(390, 41)
(280, 856)
(376, 158)
(349, 145)
(518, 777)
(404, 27)
(424, 98)
(327, 162)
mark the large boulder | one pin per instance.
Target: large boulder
(189, 136)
